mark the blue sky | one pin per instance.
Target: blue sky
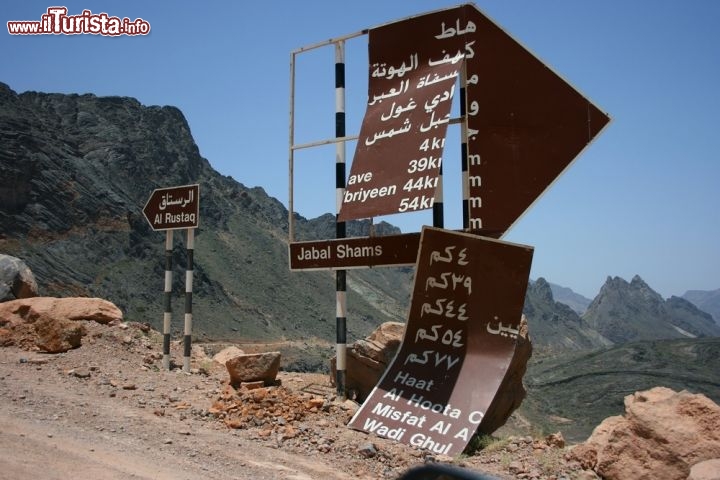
(642, 198)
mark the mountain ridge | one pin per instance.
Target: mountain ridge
(79, 168)
(569, 297)
(625, 312)
(706, 300)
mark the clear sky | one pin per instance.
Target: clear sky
(642, 199)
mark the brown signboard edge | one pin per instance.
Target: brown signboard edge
(571, 85)
(549, 186)
(543, 62)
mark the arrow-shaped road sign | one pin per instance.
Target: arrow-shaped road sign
(173, 208)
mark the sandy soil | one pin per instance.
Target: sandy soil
(107, 410)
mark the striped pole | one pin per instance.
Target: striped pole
(187, 342)
(438, 211)
(168, 298)
(464, 151)
(340, 284)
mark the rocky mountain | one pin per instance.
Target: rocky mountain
(77, 170)
(625, 312)
(567, 296)
(706, 300)
(555, 327)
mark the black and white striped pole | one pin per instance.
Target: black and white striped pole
(438, 212)
(187, 337)
(464, 151)
(167, 314)
(171, 209)
(340, 287)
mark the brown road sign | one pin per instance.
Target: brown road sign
(360, 252)
(173, 208)
(399, 151)
(525, 124)
(355, 252)
(460, 337)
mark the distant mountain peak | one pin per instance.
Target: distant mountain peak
(706, 300)
(568, 297)
(553, 324)
(613, 283)
(633, 311)
(542, 289)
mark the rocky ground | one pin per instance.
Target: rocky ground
(108, 410)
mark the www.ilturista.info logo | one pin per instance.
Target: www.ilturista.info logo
(57, 22)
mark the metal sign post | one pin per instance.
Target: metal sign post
(340, 231)
(167, 313)
(172, 209)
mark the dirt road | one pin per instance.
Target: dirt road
(108, 410)
(99, 412)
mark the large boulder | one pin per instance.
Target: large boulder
(226, 354)
(367, 359)
(50, 324)
(16, 279)
(253, 367)
(29, 310)
(661, 431)
(58, 335)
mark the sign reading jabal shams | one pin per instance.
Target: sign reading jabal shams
(359, 252)
(173, 208)
(355, 252)
(525, 123)
(459, 340)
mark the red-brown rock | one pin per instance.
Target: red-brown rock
(368, 358)
(50, 324)
(6, 337)
(57, 335)
(661, 431)
(253, 367)
(29, 310)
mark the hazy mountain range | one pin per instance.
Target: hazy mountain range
(706, 300)
(77, 170)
